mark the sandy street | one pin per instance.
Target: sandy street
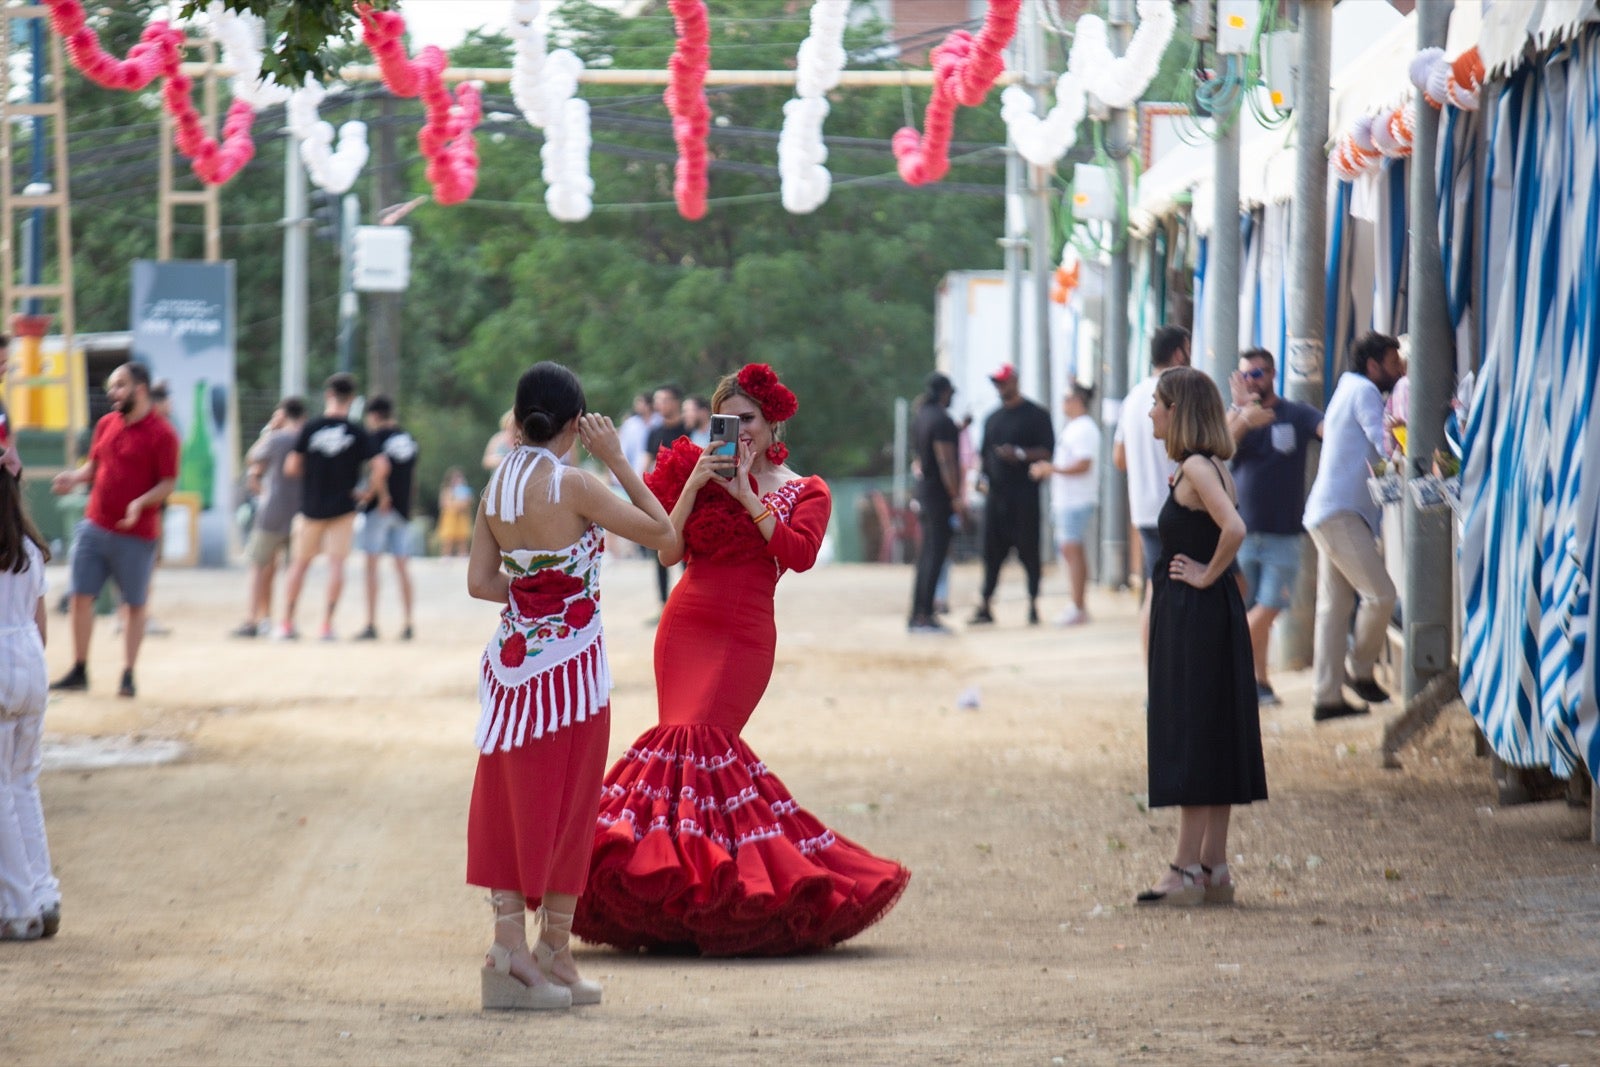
(289, 889)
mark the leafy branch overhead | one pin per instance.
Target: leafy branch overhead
(301, 34)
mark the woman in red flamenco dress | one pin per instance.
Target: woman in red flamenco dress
(698, 845)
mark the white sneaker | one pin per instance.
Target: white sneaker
(1073, 616)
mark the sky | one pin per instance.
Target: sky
(446, 22)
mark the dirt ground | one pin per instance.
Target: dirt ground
(289, 890)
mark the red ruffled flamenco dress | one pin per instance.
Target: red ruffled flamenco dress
(698, 845)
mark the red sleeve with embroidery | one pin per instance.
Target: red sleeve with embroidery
(795, 543)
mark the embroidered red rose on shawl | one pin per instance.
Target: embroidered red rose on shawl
(544, 592)
(718, 527)
(579, 613)
(514, 651)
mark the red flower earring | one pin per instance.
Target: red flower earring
(777, 452)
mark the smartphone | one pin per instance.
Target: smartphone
(725, 439)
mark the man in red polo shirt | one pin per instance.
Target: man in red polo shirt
(132, 467)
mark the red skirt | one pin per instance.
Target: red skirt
(700, 847)
(531, 824)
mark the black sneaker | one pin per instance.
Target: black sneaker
(75, 681)
(1369, 690)
(1033, 615)
(126, 688)
(52, 920)
(369, 634)
(1265, 697)
(405, 635)
(981, 617)
(1341, 710)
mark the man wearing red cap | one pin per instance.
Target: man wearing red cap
(1014, 436)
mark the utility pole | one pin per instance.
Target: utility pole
(1427, 534)
(349, 219)
(1039, 212)
(383, 309)
(1014, 242)
(1308, 228)
(1222, 275)
(1114, 351)
(292, 375)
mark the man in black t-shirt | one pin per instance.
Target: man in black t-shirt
(1014, 437)
(668, 404)
(386, 511)
(935, 436)
(328, 457)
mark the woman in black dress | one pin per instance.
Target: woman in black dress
(1203, 723)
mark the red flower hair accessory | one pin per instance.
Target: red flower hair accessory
(760, 383)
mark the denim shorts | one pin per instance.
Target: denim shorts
(384, 533)
(1270, 564)
(98, 554)
(1072, 524)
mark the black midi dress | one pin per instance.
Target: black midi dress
(1203, 723)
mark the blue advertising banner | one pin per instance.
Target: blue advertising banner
(183, 328)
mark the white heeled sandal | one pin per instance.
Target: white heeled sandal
(584, 991)
(504, 991)
(1219, 884)
(1187, 894)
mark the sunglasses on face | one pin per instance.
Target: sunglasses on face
(1255, 374)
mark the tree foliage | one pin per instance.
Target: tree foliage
(302, 36)
(840, 301)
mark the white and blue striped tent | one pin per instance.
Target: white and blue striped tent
(1532, 475)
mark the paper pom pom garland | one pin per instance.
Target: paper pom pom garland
(330, 170)
(545, 88)
(158, 51)
(964, 70)
(1119, 82)
(686, 103)
(446, 137)
(802, 155)
(1043, 142)
(241, 37)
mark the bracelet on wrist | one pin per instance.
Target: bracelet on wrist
(764, 515)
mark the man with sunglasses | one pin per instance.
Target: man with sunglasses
(1272, 434)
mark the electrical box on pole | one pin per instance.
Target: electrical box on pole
(382, 260)
(1236, 26)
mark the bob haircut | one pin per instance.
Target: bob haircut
(1198, 424)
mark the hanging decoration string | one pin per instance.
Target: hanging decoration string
(964, 70)
(241, 36)
(446, 137)
(802, 155)
(545, 87)
(159, 54)
(686, 103)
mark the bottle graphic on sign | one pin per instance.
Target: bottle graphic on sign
(196, 464)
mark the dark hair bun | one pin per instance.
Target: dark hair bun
(549, 396)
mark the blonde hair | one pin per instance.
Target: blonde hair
(1198, 424)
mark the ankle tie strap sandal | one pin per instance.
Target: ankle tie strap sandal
(503, 990)
(1219, 884)
(1187, 895)
(554, 937)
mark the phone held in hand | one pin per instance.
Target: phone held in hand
(724, 440)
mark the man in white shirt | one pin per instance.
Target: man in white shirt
(635, 431)
(1342, 520)
(1136, 451)
(1074, 492)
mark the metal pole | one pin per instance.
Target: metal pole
(1308, 292)
(1427, 534)
(292, 380)
(1222, 281)
(383, 310)
(1039, 215)
(899, 487)
(349, 219)
(1014, 242)
(33, 236)
(1114, 351)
